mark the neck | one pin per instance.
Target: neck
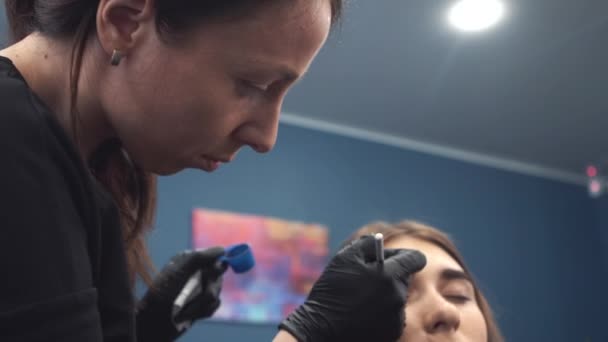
(45, 65)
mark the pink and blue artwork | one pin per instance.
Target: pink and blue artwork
(289, 256)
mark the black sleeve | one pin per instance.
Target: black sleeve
(46, 286)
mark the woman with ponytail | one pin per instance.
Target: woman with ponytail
(97, 97)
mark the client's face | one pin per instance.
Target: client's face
(441, 305)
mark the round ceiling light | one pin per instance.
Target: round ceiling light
(475, 15)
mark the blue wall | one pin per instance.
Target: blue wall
(601, 212)
(533, 243)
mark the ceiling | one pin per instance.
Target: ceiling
(529, 90)
(532, 89)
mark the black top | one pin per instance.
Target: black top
(62, 260)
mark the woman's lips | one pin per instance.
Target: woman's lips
(208, 164)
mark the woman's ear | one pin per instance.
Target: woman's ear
(122, 24)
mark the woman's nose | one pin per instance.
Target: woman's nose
(261, 132)
(442, 315)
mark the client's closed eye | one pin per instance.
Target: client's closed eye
(458, 298)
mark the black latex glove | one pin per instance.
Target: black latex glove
(354, 299)
(154, 311)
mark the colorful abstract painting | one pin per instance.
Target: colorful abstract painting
(289, 258)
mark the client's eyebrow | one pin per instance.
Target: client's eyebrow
(448, 274)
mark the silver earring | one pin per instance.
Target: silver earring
(116, 57)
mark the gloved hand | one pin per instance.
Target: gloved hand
(154, 319)
(354, 299)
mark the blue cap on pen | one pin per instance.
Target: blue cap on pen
(239, 258)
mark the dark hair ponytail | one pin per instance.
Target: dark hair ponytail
(134, 191)
(21, 14)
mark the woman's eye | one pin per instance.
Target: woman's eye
(258, 89)
(248, 89)
(262, 87)
(458, 299)
(257, 86)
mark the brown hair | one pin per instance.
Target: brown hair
(423, 232)
(133, 189)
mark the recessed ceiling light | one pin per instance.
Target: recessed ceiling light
(475, 15)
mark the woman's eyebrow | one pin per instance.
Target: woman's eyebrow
(448, 274)
(284, 72)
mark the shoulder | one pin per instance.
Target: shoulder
(36, 153)
(28, 126)
(21, 120)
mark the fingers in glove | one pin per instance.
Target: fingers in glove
(364, 248)
(402, 263)
(176, 273)
(201, 259)
(397, 325)
(200, 308)
(204, 304)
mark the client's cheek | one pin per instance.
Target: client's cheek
(473, 325)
